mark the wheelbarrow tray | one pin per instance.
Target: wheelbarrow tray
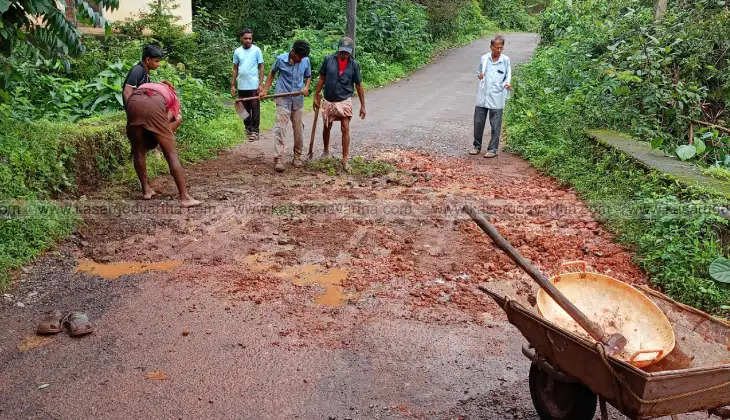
(696, 377)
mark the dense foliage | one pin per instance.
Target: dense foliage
(607, 63)
(647, 77)
(510, 14)
(45, 26)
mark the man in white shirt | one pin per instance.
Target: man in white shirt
(494, 74)
(247, 80)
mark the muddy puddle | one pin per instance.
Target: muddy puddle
(33, 342)
(115, 270)
(329, 279)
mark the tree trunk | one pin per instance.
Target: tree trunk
(660, 6)
(351, 21)
(70, 12)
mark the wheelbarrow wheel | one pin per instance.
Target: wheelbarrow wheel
(557, 400)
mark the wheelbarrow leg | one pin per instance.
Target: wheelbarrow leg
(555, 395)
(604, 410)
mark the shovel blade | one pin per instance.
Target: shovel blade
(241, 111)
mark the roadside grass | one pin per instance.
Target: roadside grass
(717, 172)
(27, 229)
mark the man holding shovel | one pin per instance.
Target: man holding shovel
(295, 75)
(247, 81)
(338, 75)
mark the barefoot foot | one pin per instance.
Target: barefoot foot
(149, 194)
(190, 202)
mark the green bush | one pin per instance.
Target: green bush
(509, 14)
(100, 52)
(24, 237)
(455, 20)
(646, 77)
(212, 60)
(574, 84)
(274, 20)
(43, 159)
(394, 30)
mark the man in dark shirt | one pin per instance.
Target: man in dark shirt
(338, 74)
(140, 73)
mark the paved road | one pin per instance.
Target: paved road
(259, 347)
(431, 110)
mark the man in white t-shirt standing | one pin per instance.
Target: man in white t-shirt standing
(495, 75)
(247, 80)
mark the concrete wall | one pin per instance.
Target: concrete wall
(129, 8)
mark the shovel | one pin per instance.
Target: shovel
(241, 110)
(614, 343)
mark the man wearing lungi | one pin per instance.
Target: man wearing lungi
(153, 116)
(338, 75)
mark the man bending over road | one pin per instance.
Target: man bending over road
(140, 73)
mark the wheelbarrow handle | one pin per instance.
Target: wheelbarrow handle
(591, 327)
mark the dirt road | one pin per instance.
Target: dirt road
(303, 294)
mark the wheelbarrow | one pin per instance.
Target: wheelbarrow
(569, 372)
(687, 369)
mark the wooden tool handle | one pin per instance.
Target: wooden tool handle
(591, 327)
(314, 131)
(276, 95)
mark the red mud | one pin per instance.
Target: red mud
(430, 262)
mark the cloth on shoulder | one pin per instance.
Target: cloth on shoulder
(172, 103)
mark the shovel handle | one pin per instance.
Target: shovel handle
(276, 95)
(314, 132)
(591, 327)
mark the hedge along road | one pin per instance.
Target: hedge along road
(283, 297)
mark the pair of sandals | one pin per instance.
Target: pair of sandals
(77, 324)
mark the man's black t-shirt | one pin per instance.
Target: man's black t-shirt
(137, 76)
(338, 87)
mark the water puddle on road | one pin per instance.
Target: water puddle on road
(33, 342)
(116, 270)
(328, 279)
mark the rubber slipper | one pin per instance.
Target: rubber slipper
(50, 323)
(77, 324)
